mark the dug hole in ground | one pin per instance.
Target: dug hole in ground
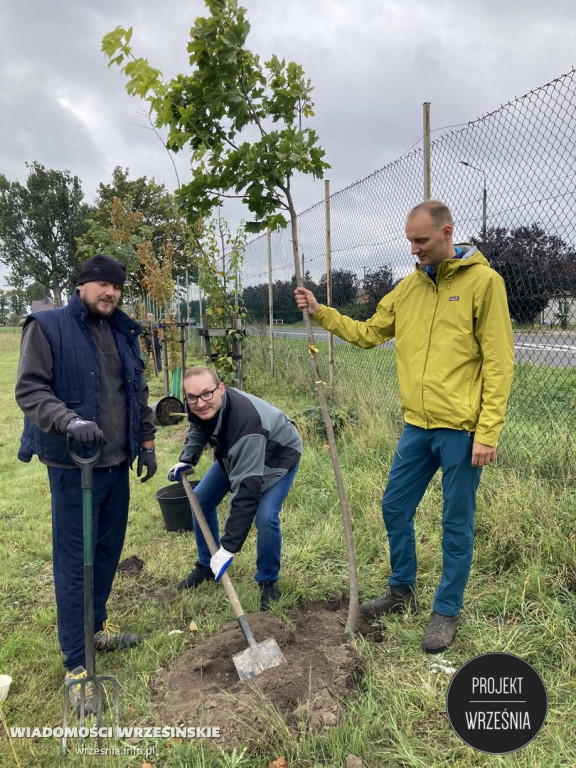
(202, 687)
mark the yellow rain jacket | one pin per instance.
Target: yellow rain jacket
(453, 342)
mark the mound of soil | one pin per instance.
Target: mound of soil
(131, 566)
(202, 688)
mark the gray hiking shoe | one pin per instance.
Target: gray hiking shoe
(110, 638)
(440, 632)
(395, 600)
(76, 691)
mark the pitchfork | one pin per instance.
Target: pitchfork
(86, 465)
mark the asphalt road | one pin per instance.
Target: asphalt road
(554, 348)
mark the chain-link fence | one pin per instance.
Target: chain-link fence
(510, 181)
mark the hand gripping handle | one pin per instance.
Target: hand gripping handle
(85, 464)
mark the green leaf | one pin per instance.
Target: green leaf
(238, 118)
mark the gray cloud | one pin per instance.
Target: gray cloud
(372, 62)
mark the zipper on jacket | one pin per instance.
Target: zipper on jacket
(435, 291)
(435, 285)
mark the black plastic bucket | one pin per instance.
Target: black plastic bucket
(175, 507)
(167, 411)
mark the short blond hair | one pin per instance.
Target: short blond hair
(437, 210)
(198, 370)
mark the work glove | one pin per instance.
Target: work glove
(147, 458)
(219, 562)
(84, 431)
(175, 471)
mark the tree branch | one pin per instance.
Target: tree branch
(255, 117)
(153, 128)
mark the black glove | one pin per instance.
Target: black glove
(147, 458)
(84, 431)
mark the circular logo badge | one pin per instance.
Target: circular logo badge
(497, 703)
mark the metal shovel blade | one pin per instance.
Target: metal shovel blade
(257, 658)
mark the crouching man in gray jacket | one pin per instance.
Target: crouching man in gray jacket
(257, 450)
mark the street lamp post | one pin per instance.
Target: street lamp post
(484, 197)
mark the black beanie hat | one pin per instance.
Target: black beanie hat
(104, 268)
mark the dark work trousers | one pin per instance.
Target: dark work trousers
(110, 501)
(419, 454)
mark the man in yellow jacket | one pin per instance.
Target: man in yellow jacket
(455, 360)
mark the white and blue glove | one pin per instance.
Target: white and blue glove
(219, 562)
(175, 471)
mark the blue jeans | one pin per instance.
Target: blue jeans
(419, 454)
(110, 501)
(211, 491)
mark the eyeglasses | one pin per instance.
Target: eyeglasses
(205, 396)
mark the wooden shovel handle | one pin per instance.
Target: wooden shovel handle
(207, 533)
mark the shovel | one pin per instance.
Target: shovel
(86, 465)
(258, 656)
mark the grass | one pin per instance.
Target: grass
(540, 428)
(520, 598)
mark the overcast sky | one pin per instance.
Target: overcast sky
(372, 63)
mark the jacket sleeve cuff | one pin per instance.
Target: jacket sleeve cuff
(147, 436)
(320, 312)
(64, 421)
(486, 439)
(228, 546)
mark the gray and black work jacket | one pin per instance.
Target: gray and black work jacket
(256, 445)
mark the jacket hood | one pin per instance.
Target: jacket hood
(470, 252)
(470, 255)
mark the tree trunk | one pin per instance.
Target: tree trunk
(319, 385)
(57, 291)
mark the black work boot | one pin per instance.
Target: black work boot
(269, 593)
(199, 574)
(440, 632)
(394, 600)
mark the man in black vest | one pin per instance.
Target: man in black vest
(80, 374)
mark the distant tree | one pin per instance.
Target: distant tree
(535, 267)
(255, 299)
(375, 285)
(130, 213)
(4, 306)
(344, 288)
(39, 224)
(35, 292)
(18, 302)
(191, 308)
(284, 305)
